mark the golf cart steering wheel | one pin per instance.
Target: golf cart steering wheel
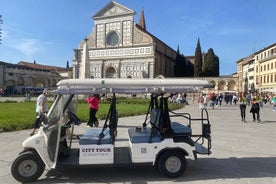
(74, 118)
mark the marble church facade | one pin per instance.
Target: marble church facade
(119, 48)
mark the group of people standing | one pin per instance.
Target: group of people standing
(254, 101)
(214, 99)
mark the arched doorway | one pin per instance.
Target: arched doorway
(221, 85)
(110, 72)
(232, 86)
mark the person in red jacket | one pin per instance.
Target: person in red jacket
(93, 108)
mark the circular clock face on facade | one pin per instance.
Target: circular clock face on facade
(113, 38)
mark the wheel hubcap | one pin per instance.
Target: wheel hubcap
(173, 164)
(27, 168)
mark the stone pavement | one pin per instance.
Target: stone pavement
(242, 153)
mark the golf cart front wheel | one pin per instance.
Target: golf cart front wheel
(172, 164)
(27, 167)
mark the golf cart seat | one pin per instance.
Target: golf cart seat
(147, 134)
(180, 129)
(177, 128)
(143, 135)
(91, 136)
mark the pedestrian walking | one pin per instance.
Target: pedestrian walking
(220, 99)
(193, 99)
(213, 100)
(41, 110)
(200, 101)
(205, 101)
(93, 108)
(255, 110)
(273, 101)
(242, 102)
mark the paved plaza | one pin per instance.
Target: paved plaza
(243, 153)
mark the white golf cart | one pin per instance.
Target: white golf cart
(159, 140)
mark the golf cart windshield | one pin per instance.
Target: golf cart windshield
(61, 103)
(56, 118)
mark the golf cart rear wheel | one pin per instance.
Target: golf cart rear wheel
(27, 167)
(172, 164)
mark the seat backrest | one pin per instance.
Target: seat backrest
(155, 117)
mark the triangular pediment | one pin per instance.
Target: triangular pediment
(113, 9)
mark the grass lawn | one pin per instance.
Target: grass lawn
(21, 115)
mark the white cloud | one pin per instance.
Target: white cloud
(30, 47)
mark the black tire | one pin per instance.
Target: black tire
(27, 167)
(172, 164)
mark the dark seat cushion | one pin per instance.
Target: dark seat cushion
(143, 136)
(179, 128)
(91, 136)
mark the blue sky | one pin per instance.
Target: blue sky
(48, 31)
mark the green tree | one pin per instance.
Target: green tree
(211, 64)
(198, 60)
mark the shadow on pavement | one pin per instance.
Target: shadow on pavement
(202, 169)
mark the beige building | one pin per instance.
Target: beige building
(119, 48)
(17, 78)
(246, 74)
(257, 72)
(265, 68)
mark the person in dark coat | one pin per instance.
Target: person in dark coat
(255, 110)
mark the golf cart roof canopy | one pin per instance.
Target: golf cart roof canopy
(129, 85)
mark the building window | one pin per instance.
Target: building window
(261, 56)
(261, 79)
(273, 52)
(11, 74)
